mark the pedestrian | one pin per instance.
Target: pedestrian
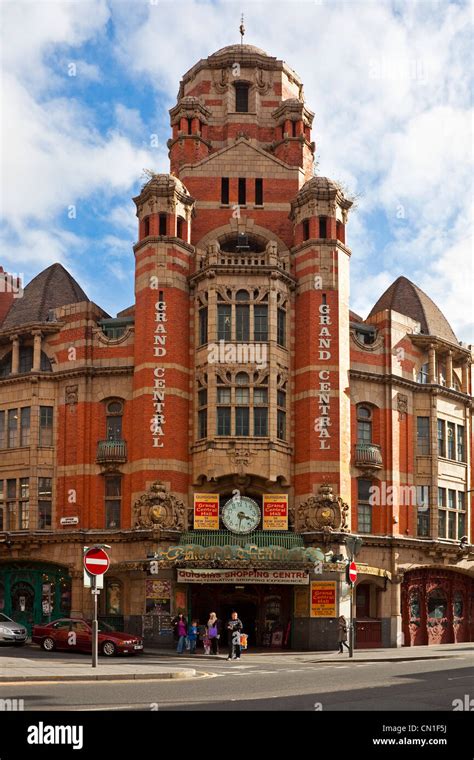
(192, 636)
(234, 627)
(180, 631)
(342, 634)
(213, 632)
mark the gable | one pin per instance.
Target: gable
(241, 159)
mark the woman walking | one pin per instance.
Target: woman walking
(213, 630)
(342, 635)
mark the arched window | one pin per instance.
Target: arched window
(414, 605)
(114, 420)
(25, 363)
(364, 424)
(437, 604)
(458, 605)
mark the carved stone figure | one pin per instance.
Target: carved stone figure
(158, 508)
(324, 512)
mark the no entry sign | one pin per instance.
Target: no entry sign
(96, 561)
(352, 572)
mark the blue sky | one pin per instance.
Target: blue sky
(88, 83)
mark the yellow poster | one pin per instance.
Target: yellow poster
(206, 511)
(323, 599)
(275, 511)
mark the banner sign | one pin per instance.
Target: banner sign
(323, 599)
(275, 511)
(206, 511)
(276, 577)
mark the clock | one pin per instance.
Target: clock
(241, 514)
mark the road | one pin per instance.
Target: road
(262, 683)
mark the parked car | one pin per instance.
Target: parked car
(11, 632)
(76, 635)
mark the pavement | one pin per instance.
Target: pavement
(399, 654)
(15, 669)
(31, 664)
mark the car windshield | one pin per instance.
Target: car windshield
(104, 627)
(4, 618)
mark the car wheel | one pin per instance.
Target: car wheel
(48, 644)
(109, 648)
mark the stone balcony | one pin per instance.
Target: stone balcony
(368, 456)
(111, 452)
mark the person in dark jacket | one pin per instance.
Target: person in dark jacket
(342, 634)
(180, 631)
(234, 627)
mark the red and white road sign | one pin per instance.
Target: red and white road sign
(353, 572)
(96, 561)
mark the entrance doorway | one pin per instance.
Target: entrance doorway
(34, 593)
(264, 610)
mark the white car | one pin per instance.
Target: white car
(11, 632)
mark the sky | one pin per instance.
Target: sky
(86, 88)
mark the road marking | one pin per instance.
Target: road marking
(459, 678)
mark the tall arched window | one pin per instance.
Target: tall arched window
(437, 604)
(364, 424)
(114, 420)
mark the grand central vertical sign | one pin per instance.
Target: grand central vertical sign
(159, 376)
(323, 422)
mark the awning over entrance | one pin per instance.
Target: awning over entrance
(221, 548)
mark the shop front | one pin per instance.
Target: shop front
(256, 577)
(33, 593)
(437, 607)
(264, 608)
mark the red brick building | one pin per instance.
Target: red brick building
(241, 380)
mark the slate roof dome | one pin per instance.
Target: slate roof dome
(51, 288)
(238, 49)
(407, 298)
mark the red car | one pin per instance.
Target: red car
(76, 635)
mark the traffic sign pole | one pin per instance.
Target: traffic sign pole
(351, 578)
(96, 564)
(95, 624)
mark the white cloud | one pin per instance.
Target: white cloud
(388, 82)
(33, 29)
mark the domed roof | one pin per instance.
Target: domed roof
(238, 49)
(321, 184)
(163, 185)
(320, 188)
(51, 288)
(407, 298)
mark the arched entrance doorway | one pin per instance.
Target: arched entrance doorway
(34, 592)
(437, 607)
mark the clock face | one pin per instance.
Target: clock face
(241, 514)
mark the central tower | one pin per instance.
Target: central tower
(246, 309)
